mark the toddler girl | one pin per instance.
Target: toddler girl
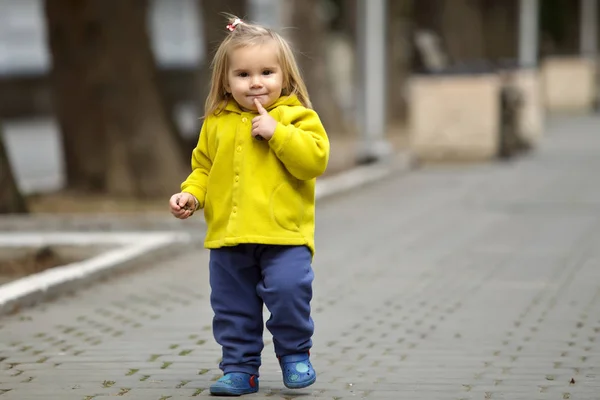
(260, 150)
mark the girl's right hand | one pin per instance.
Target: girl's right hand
(182, 205)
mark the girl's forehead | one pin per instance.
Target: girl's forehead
(265, 54)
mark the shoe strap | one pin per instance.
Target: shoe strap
(294, 358)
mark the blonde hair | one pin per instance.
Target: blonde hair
(247, 34)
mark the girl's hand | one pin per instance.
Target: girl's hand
(182, 205)
(264, 125)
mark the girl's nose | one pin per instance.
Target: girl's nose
(256, 82)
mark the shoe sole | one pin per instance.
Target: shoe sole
(300, 385)
(230, 392)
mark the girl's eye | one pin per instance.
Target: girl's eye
(243, 74)
(267, 72)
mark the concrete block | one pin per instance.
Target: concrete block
(454, 117)
(569, 84)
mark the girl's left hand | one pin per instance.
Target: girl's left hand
(264, 125)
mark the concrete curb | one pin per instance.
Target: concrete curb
(131, 250)
(135, 248)
(360, 176)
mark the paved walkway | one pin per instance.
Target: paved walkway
(465, 282)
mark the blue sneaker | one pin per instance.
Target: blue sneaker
(297, 371)
(235, 384)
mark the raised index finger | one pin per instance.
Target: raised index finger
(261, 110)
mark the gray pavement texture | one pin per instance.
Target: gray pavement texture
(462, 282)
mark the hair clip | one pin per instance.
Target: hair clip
(231, 27)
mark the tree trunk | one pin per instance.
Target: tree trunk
(116, 132)
(559, 27)
(309, 36)
(458, 23)
(11, 200)
(501, 40)
(471, 30)
(463, 30)
(427, 15)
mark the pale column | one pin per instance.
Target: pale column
(371, 94)
(528, 33)
(588, 40)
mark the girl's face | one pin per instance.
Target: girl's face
(254, 73)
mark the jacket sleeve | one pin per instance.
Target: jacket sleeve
(302, 146)
(197, 181)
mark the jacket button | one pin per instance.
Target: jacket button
(237, 178)
(244, 120)
(234, 210)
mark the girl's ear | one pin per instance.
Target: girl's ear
(227, 87)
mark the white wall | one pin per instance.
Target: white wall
(174, 27)
(22, 37)
(175, 32)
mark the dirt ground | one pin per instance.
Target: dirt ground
(32, 261)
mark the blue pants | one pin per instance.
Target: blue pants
(243, 279)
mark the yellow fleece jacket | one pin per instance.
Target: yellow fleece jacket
(259, 191)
